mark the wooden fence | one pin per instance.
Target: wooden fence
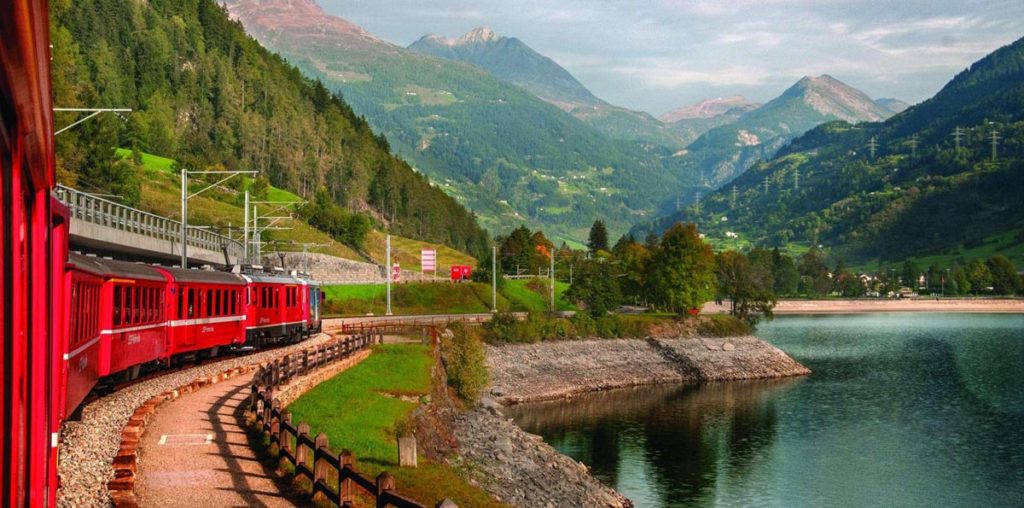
(333, 475)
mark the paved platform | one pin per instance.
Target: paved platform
(194, 453)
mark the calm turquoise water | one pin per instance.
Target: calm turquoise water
(902, 410)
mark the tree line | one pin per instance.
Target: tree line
(678, 272)
(208, 96)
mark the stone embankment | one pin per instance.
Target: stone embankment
(559, 370)
(520, 469)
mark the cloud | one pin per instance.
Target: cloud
(658, 54)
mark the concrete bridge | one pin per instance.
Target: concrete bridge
(104, 227)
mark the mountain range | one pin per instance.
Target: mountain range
(927, 182)
(509, 155)
(517, 138)
(726, 151)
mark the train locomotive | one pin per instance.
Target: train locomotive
(71, 321)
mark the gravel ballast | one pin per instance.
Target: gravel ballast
(88, 446)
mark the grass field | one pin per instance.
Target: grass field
(358, 411)
(161, 194)
(411, 298)
(434, 298)
(406, 252)
(523, 295)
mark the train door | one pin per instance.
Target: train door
(193, 312)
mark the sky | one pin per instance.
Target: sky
(657, 55)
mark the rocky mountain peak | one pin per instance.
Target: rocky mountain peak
(292, 15)
(709, 108)
(479, 35)
(829, 96)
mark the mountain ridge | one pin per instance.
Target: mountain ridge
(498, 148)
(927, 182)
(709, 108)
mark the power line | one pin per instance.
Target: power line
(873, 146)
(957, 134)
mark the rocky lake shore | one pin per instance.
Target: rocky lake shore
(559, 370)
(521, 469)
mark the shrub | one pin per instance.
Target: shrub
(584, 324)
(466, 362)
(723, 326)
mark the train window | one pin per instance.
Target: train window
(117, 305)
(191, 302)
(144, 305)
(216, 301)
(128, 305)
(150, 305)
(234, 301)
(181, 302)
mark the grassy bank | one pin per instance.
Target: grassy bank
(359, 408)
(443, 297)
(411, 298)
(532, 295)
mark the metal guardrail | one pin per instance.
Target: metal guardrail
(96, 210)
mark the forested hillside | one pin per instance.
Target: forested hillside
(507, 154)
(207, 95)
(929, 181)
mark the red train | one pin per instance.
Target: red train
(70, 320)
(124, 318)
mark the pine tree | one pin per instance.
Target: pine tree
(598, 239)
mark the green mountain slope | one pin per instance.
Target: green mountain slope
(932, 186)
(511, 60)
(724, 152)
(510, 156)
(209, 96)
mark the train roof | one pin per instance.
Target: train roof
(203, 276)
(112, 268)
(266, 278)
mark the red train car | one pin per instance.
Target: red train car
(206, 309)
(274, 309)
(32, 255)
(84, 284)
(134, 326)
(312, 302)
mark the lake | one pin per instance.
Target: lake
(901, 410)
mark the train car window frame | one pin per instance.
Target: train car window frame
(128, 302)
(118, 300)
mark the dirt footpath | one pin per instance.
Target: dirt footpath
(194, 453)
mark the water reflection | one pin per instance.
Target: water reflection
(674, 436)
(908, 410)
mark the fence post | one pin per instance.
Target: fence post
(302, 452)
(320, 465)
(284, 440)
(385, 482)
(268, 402)
(346, 487)
(275, 432)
